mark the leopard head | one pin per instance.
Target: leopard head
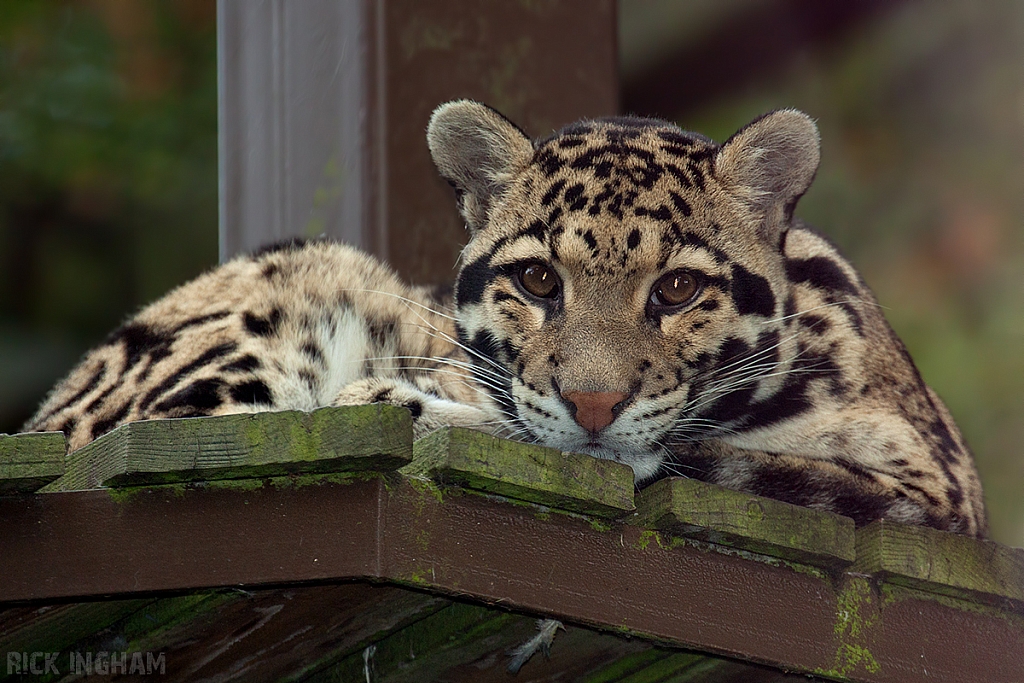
(623, 286)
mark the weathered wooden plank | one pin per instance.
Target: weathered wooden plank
(350, 438)
(694, 509)
(30, 461)
(547, 476)
(940, 562)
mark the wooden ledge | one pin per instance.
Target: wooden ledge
(694, 509)
(941, 562)
(323, 504)
(30, 461)
(534, 474)
(249, 445)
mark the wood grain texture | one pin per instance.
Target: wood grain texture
(694, 509)
(940, 562)
(350, 438)
(535, 474)
(30, 461)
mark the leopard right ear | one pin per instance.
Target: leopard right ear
(477, 150)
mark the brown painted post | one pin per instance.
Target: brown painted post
(324, 104)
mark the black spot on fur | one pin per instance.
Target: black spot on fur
(94, 381)
(269, 271)
(591, 241)
(500, 296)
(140, 339)
(68, 427)
(535, 230)
(246, 363)
(382, 396)
(791, 485)
(97, 402)
(661, 213)
(101, 427)
(200, 320)
(308, 378)
(196, 399)
(682, 206)
(414, 407)
(815, 323)
(552, 193)
(821, 273)
(207, 357)
(634, 239)
(707, 305)
(751, 293)
(312, 350)
(548, 161)
(862, 506)
(473, 279)
(253, 392)
(574, 197)
(262, 327)
(679, 175)
(381, 331)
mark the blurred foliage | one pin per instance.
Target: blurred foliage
(108, 173)
(108, 179)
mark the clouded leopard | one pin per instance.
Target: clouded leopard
(629, 290)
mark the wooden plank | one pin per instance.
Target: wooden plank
(30, 461)
(252, 445)
(940, 562)
(547, 476)
(694, 509)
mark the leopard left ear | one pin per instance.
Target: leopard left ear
(770, 162)
(477, 150)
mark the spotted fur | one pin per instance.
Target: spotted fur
(779, 376)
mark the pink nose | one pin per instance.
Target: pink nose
(594, 409)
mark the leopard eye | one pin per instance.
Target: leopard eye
(539, 280)
(675, 289)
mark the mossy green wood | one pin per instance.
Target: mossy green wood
(30, 461)
(694, 509)
(940, 562)
(350, 438)
(547, 476)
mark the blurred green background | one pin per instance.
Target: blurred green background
(108, 171)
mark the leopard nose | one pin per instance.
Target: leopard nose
(595, 410)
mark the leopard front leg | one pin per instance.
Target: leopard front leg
(429, 411)
(839, 487)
